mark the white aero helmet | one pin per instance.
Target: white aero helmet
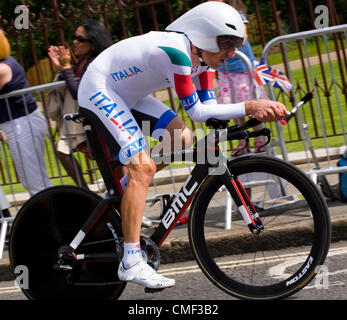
(205, 22)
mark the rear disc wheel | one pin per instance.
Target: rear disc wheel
(48, 222)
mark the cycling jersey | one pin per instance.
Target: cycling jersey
(121, 79)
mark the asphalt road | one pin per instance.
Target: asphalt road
(191, 283)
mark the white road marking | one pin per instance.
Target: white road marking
(9, 290)
(278, 271)
(285, 260)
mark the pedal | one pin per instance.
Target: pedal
(151, 290)
(62, 267)
(146, 223)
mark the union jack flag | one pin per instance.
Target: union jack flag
(265, 74)
(281, 81)
(262, 74)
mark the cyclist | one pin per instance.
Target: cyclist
(115, 92)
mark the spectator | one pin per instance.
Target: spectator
(23, 123)
(89, 39)
(233, 79)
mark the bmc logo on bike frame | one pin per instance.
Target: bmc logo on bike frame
(178, 203)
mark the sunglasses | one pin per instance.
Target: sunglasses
(228, 42)
(79, 38)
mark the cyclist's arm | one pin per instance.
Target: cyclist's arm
(204, 85)
(175, 64)
(200, 103)
(263, 110)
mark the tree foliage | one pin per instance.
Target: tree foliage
(26, 44)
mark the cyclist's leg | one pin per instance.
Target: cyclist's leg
(160, 122)
(133, 268)
(141, 170)
(122, 127)
(109, 108)
(178, 137)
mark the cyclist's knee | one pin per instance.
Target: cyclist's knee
(141, 170)
(142, 175)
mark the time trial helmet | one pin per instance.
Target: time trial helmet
(206, 22)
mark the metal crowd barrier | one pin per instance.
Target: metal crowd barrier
(178, 175)
(8, 176)
(253, 180)
(313, 168)
(310, 82)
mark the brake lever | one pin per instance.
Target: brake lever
(265, 132)
(238, 152)
(307, 97)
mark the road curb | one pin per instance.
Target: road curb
(178, 250)
(5, 272)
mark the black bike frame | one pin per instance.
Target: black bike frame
(176, 206)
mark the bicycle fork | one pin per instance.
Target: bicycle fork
(243, 203)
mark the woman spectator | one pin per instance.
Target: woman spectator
(23, 123)
(89, 39)
(233, 79)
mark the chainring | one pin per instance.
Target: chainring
(151, 252)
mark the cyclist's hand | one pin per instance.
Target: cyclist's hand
(266, 110)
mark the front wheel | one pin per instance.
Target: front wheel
(276, 262)
(47, 223)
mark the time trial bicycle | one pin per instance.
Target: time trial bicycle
(70, 239)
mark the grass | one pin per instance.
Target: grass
(293, 52)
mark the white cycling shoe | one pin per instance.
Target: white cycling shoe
(141, 273)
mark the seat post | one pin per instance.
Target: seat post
(100, 151)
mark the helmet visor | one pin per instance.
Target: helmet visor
(229, 42)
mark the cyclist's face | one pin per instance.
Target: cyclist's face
(216, 59)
